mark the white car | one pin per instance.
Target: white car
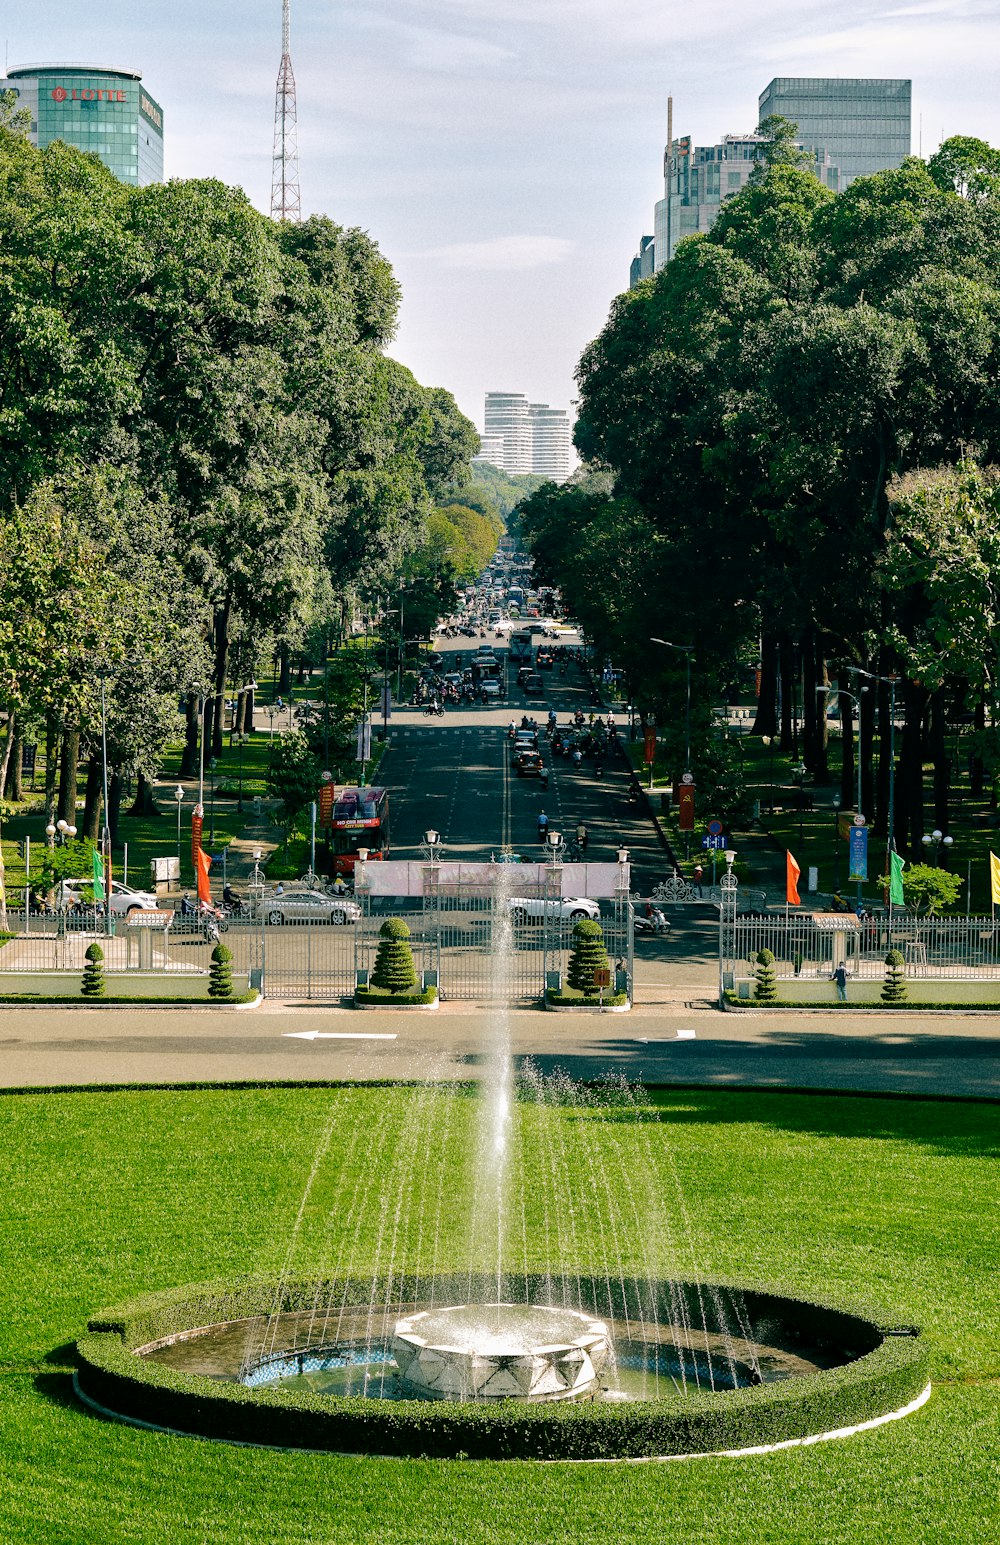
(490, 686)
(124, 898)
(525, 909)
(296, 905)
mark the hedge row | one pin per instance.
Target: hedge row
(888, 1370)
(873, 1005)
(385, 999)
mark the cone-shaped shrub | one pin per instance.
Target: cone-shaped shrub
(394, 969)
(766, 989)
(894, 987)
(93, 973)
(588, 955)
(220, 977)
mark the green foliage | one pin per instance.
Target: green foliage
(926, 889)
(220, 976)
(294, 774)
(394, 971)
(894, 988)
(765, 979)
(93, 972)
(587, 956)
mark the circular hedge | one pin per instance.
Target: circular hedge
(886, 1371)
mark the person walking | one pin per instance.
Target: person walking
(543, 826)
(840, 977)
(582, 836)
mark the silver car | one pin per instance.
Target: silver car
(294, 906)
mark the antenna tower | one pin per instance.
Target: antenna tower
(286, 200)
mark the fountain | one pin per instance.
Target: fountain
(499, 1358)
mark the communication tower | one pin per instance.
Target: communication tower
(286, 200)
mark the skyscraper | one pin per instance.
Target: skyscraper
(864, 125)
(523, 436)
(98, 109)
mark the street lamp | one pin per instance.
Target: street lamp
(179, 796)
(768, 741)
(939, 840)
(686, 650)
(432, 845)
(66, 831)
(555, 843)
(800, 774)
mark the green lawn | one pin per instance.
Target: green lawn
(109, 1194)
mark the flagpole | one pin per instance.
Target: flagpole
(105, 828)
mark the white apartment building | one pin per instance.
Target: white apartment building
(523, 436)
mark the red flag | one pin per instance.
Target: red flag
(204, 865)
(792, 872)
(196, 824)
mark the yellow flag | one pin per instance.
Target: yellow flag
(995, 879)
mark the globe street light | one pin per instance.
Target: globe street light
(939, 840)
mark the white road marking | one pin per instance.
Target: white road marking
(666, 1040)
(333, 1035)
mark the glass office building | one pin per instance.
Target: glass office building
(107, 112)
(864, 125)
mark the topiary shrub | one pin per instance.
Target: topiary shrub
(588, 955)
(766, 988)
(394, 970)
(894, 988)
(220, 977)
(93, 973)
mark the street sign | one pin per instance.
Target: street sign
(715, 828)
(714, 842)
(602, 978)
(859, 820)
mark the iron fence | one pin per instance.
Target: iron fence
(809, 945)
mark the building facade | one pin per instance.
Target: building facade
(852, 128)
(523, 436)
(105, 111)
(863, 124)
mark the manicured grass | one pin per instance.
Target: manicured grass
(111, 1194)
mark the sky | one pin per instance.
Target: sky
(504, 154)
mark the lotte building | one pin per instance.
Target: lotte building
(105, 111)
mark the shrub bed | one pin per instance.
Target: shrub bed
(381, 997)
(567, 998)
(887, 1371)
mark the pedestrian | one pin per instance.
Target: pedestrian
(696, 880)
(840, 977)
(543, 826)
(582, 836)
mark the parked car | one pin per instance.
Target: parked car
(527, 909)
(124, 898)
(319, 906)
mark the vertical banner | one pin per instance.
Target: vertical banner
(196, 823)
(649, 748)
(858, 852)
(685, 804)
(203, 866)
(386, 701)
(792, 872)
(326, 801)
(364, 740)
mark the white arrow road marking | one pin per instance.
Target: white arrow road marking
(663, 1040)
(333, 1035)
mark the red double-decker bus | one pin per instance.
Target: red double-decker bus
(360, 819)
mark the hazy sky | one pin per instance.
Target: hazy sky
(505, 154)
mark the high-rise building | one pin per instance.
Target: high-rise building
(852, 128)
(864, 125)
(551, 442)
(523, 436)
(105, 111)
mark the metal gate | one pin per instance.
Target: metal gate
(308, 958)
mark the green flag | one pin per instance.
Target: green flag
(897, 863)
(98, 877)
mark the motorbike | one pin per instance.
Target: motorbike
(654, 923)
(434, 711)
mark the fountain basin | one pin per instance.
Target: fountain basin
(502, 1352)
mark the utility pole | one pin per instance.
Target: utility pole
(286, 200)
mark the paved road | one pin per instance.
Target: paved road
(683, 1042)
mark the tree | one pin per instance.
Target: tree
(966, 166)
(220, 983)
(894, 988)
(93, 972)
(927, 889)
(765, 980)
(394, 970)
(587, 957)
(294, 774)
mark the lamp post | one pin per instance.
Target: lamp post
(212, 765)
(686, 650)
(890, 833)
(800, 775)
(63, 831)
(939, 841)
(179, 796)
(768, 741)
(432, 846)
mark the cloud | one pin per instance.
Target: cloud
(504, 254)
